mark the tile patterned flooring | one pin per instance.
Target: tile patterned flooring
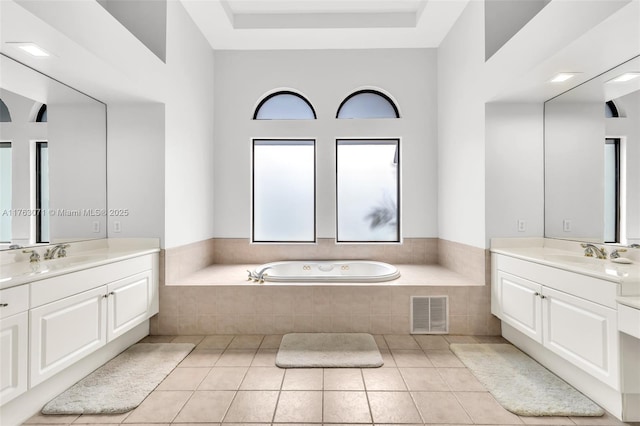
(230, 380)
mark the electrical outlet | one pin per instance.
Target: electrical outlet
(522, 225)
(566, 225)
(117, 226)
(96, 227)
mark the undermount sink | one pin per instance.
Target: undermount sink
(571, 258)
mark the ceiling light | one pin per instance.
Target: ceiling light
(625, 77)
(32, 49)
(563, 76)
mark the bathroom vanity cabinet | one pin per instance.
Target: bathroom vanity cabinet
(14, 329)
(67, 318)
(582, 330)
(65, 329)
(566, 318)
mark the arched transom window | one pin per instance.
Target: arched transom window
(368, 104)
(284, 105)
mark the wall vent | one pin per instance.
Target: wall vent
(429, 314)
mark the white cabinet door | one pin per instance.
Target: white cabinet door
(519, 304)
(130, 303)
(582, 332)
(14, 332)
(64, 331)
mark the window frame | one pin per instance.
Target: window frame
(315, 190)
(398, 239)
(38, 191)
(278, 93)
(372, 91)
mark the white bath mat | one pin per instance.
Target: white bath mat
(306, 350)
(520, 384)
(123, 383)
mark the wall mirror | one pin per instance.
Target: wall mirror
(592, 159)
(53, 169)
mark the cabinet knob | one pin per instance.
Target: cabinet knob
(536, 294)
(542, 296)
(3, 305)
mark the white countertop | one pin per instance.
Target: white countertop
(630, 301)
(15, 268)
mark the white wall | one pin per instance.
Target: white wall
(514, 169)
(461, 129)
(135, 161)
(188, 95)
(325, 78)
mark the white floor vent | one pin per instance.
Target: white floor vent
(429, 314)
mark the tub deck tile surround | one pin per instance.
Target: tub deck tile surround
(201, 394)
(206, 290)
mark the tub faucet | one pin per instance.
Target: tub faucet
(590, 250)
(259, 275)
(51, 252)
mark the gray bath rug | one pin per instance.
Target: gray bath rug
(520, 384)
(305, 350)
(123, 383)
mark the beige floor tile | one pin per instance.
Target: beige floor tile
(158, 339)
(153, 424)
(432, 342)
(383, 379)
(159, 407)
(382, 344)
(343, 379)
(491, 339)
(271, 341)
(201, 358)
(184, 378)
(248, 341)
(265, 358)
(299, 407)
(345, 407)
(410, 358)
(423, 379)
(302, 379)
(460, 339)
(252, 407)
(606, 420)
(51, 419)
(205, 406)
(393, 407)
(188, 339)
(483, 408)
(101, 418)
(440, 407)
(220, 341)
(387, 358)
(443, 358)
(236, 358)
(223, 378)
(263, 378)
(398, 341)
(461, 379)
(547, 420)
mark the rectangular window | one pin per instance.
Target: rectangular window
(612, 191)
(5, 192)
(42, 192)
(284, 191)
(368, 188)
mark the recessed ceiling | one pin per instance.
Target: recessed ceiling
(324, 24)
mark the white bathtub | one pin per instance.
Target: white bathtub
(326, 271)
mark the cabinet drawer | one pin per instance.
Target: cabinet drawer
(52, 289)
(14, 300)
(629, 320)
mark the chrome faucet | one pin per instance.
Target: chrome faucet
(60, 249)
(616, 253)
(259, 275)
(590, 250)
(34, 258)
